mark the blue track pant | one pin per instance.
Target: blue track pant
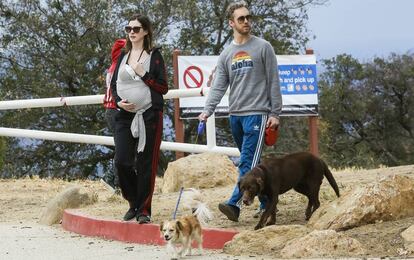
(248, 133)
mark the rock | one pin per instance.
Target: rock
(200, 171)
(268, 241)
(69, 198)
(325, 243)
(408, 236)
(391, 198)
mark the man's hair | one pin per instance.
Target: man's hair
(233, 6)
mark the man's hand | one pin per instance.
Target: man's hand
(124, 104)
(272, 122)
(203, 117)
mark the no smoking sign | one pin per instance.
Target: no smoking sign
(193, 77)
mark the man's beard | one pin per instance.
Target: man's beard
(244, 32)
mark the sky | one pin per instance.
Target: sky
(363, 28)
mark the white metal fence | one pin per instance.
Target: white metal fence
(108, 140)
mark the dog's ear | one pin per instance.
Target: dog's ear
(179, 225)
(161, 225)
(260, 183)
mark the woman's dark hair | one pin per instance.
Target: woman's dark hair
(146, 26)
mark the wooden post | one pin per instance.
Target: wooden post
(313, 135)
(178, 123)
(313, 127)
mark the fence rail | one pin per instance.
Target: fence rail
(108, 140)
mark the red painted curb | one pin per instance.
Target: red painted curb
(133, 232)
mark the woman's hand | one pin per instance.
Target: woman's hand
(124, 104)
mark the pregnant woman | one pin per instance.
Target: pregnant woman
(138, 84)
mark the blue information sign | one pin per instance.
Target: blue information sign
(298, 79)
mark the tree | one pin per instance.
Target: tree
(204, 28)
(51, 54)
(390, 84)
(366, 111)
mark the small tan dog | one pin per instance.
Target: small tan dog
(184, 230)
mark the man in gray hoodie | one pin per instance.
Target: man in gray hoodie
(248, 65)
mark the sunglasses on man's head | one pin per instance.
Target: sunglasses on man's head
(241, 19)
(135, 29)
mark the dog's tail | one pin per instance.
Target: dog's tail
(192, 199)
(331, 179)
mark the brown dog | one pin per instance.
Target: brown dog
(301, 171)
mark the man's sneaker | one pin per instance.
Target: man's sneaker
(231, 212)
(131, 213)
(143, 219)
(258, 213)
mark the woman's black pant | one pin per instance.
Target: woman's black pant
(137, 171)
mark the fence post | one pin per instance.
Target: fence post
(313, 126)
(211, 131)
(178, 123)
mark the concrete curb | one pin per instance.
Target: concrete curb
(133, 232)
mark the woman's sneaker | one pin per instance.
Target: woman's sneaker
(130, 214)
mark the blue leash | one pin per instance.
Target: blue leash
(178, 202)
(200, 129)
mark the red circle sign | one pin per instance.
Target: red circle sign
(193, 77)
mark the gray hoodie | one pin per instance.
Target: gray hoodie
(250, 69)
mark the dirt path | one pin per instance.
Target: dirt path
(44, 242)
(23, 201)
